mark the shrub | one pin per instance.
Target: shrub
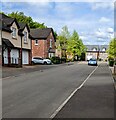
(56, 60)
(111, 63)
(69, 60)
(63, 59)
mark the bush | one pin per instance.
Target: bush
(63, 59)
(111, 63)
(56, 60)
(69, 60)
(100, 59)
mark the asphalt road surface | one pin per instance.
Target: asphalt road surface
(96, 98)
(40, 94)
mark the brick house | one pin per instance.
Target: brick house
(15, 41)
(97, 52)
(43, 42)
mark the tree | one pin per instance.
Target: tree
(75, 45)
(26, 19)
(112, 49)
(63, 38)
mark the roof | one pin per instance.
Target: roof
(23, 25)
(4, 27)
(7, 43)
(3, 16)
(97, 47)
(41, 33)
(6, 22)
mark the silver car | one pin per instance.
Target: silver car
(39, 60)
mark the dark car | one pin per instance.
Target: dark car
(92, 62)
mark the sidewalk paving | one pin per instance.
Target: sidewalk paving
(94, 100)
(114, 75)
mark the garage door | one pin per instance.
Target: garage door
(25, 57)
(14, 56)
(6, 56)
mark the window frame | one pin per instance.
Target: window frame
(25, 37)
(14, 32)
(50, 43)
(37, 42)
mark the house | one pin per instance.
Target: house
(16, 44)
(43, 42)
(97, 52)
(25, 43)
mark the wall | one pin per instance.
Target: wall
(38, 50)
(28, 44)
(43, 46)
(15, 41)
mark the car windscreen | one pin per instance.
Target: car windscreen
(37, 58)
(92, 59)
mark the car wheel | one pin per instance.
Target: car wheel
(45, 63)
(32, 63)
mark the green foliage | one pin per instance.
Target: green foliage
(112, 49)
(62, 40)
(75, 45)
(55, 60)
(111, 63)
(63, 59)
(26, 19)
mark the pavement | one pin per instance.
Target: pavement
(94, 100)
(114, 75)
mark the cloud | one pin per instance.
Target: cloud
(110, 30)
(103, 5)
(83, 38)
(99, 34)
(56, 1)
(104, 19)
(110, 36)
(75, 15)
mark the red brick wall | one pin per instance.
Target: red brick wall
(48, 41)
(38, 50)
(42, 48)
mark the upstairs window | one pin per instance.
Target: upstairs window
(25, 37)
(50, 43)
(36, 42)
(94, 49)
(13, 32)
(104, 49)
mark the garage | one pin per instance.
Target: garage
(14, 54)
(5, 54)
(25, 57)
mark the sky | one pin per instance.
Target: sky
(93, 20)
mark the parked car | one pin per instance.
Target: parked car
(92, 62)
(39, 60)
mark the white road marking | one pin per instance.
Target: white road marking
(62, 105)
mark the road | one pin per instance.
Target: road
(39, 94)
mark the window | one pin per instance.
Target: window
(25, 37)
(36, 42)
(13, 32)
(50, 43)
(94, 49)
(104, 49)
